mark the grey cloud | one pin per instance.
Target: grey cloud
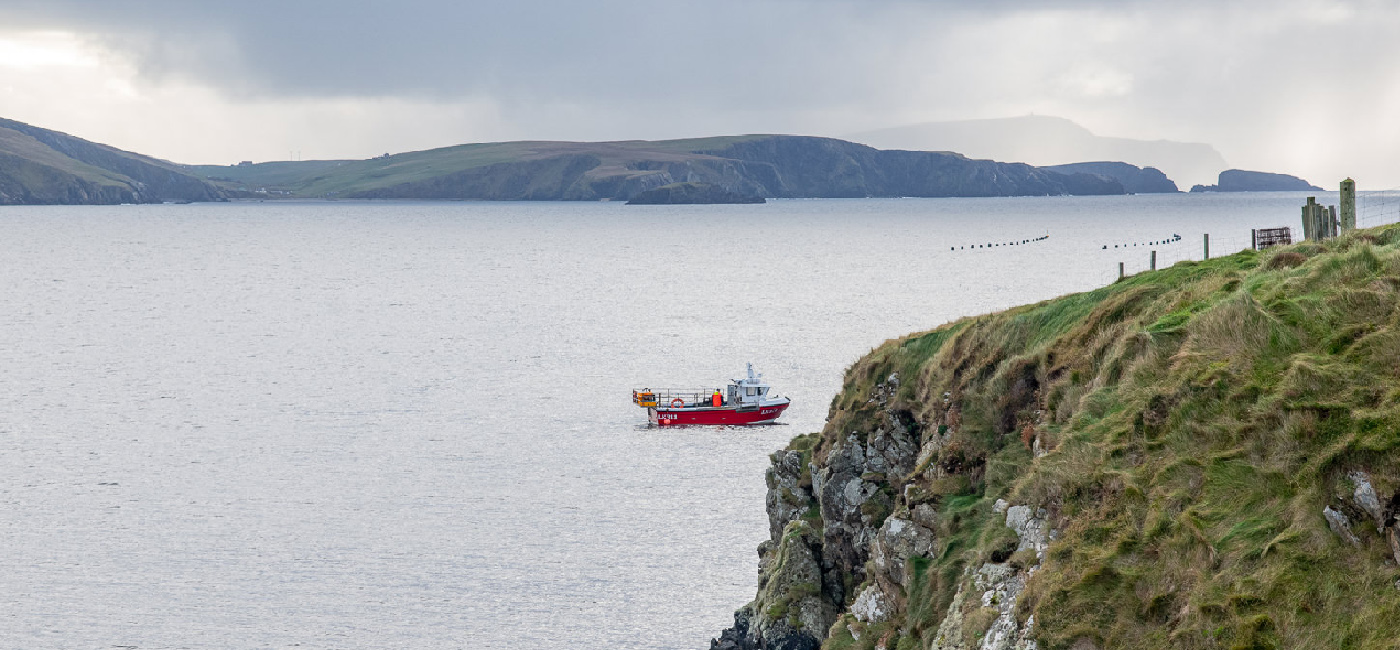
(1230, 73)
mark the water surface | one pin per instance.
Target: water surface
(364, 425)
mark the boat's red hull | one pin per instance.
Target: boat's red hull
(669, 417)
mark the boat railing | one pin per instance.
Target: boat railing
(667, 397)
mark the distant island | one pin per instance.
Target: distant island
(1239, 180)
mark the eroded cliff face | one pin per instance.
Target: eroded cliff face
(1205, 456)
(849, 533)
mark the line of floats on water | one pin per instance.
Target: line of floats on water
(1022, 242)
(1161, 242)
(1010, 243)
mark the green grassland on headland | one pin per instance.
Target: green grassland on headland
(748, 165)
(39, 166)
(42, 166)
(331, 178)
(1195, 421)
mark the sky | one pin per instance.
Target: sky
(1308, 87)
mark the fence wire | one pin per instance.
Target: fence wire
(1374, 208)
(1377, 208)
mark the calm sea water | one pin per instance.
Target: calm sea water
(367, 425)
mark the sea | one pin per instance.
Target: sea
(409, 424)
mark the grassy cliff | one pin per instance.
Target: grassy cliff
(748, 165)
(1206, 456)
(39, 166)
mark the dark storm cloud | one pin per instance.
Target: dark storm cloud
(714, 52)
(321, 47)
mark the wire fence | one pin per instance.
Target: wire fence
(1375, 208)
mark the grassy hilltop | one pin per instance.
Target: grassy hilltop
(409, 172)
(1146, 465)
(748, 165)
(39, 166)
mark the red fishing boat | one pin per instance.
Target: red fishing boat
(743, 401)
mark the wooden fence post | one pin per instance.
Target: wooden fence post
(1206, 239)
(1348, 205)
(1309, 220)
(1153, 265)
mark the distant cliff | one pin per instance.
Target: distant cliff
(775, 166)
(1204, 456)
(39, 166)
(1047, 140)
(828, 168)
(1137, 180)
(1239, 180)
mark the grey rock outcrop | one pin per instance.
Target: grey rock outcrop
(897, 541)
(1365, 503)
(1239, 180)
(1136, 180)
(1340, 524)
(1364, 496)
(997, 586)
(791, 611)
(788, 496)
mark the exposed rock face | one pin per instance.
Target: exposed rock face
(1364, 495)
(896, 542)
(789, 490)
(791, 610)
(1239, 180)
(869, 536)
(1136, 180)
(692, 193)
(855, 495)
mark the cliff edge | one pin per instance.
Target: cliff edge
(1203, 456)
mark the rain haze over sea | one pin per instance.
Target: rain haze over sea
(368, 425)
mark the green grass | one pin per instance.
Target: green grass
(39, 154)
(1200, 417)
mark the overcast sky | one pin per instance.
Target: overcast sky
(1310, 87)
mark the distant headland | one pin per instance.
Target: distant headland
(40, 166)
